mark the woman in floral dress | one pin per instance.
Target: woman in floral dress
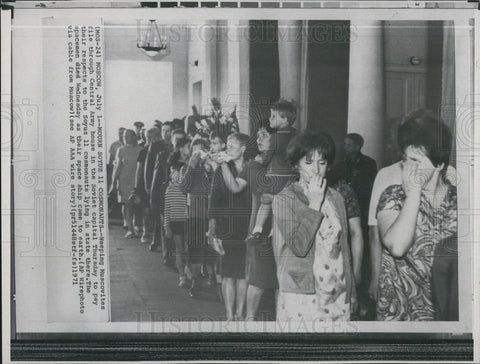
(310, 238)
(413, 218)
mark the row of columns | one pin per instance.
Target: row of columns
(366, 79)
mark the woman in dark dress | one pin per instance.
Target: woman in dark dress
(195, 184)
(229, 214)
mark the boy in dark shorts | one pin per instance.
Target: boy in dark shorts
(279, 173)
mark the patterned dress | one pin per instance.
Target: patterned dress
(329, 300)
(352, 206)
(405, 290)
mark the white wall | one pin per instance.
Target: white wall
(223, 68)
(121, 45)
(133, 93)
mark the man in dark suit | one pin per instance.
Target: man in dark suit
(359, 171)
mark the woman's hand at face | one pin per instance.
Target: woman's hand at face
(416, 174)
(195, 159)
(315, 192)
(260, 158)
(223, 157)
(410, 179)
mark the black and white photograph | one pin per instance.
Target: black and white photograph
(242, 171)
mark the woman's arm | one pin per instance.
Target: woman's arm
(138, 175)
(375, 260)
(235, 185)
(186, 179)
(212, 226)
(116, 170)
(356, 237)
(297, 222)
(397, 228)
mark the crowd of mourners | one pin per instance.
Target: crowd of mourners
(273, 212)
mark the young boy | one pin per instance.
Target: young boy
(217, 145)
(279, 173)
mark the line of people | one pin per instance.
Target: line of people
(289, 221)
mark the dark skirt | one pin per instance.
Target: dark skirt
(232, 232)
(232, 264)
(178, 227)
(261, 270)
(198, 250)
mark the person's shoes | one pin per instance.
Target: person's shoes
(130, 235)
(210, 280)
(145, 240)
(194, 290)
(138, 230)
(238, 317)
(168, 262)
(153, 247)
(219, 293)
(125, 227)
(182, 282)
(255, 238)
(203, 271)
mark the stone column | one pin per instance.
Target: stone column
(366, 86)
(290, 50)
(239, 72)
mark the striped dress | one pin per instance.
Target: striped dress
(175, 200)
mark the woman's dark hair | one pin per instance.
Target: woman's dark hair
(422, 129)
(179, 131)
(178, 123)
(216, 134)
(168, 123)
(309, 141)
(174, 158)
(203, 143)
(241, 138)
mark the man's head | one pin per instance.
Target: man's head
(153, 135)
(353, 143)
(178, 124)
(121, 131)
(282, 113)
(129, 137)
(138, 127)
(167, 128)
(177, 134)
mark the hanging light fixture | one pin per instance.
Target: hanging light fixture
(151, 42)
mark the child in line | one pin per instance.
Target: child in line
(279, 173)
(196, 183)
(176, 207)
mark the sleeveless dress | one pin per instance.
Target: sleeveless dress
(127, 156)
(405, 285)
